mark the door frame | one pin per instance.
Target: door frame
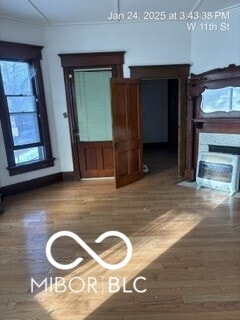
(71, 61)
(176, 71)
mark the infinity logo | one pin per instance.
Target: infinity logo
(83, 244)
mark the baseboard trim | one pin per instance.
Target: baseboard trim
(30, 184)
(36, 183)
(68, 176)
(98, 178)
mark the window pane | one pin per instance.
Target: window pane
(24, 118)
(21, 104)
(93, 104)
(17, 77)
(28, 155)
(24, 128)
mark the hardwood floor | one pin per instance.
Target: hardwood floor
(159, 158)
(185, 242)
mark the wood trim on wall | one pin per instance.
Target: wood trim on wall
(29, 185)
(68, 176)
(96, 59)
(176, 71)
(12, 50)
(72, 122)
(160, 71)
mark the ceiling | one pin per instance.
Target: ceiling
(70, 12)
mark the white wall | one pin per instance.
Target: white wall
(216, 49)
(145, 44)
(30, 34)
(155, 110)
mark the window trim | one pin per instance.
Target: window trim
(28, 53)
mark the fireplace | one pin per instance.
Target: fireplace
(213, 115)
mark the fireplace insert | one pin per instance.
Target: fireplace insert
(219, 171)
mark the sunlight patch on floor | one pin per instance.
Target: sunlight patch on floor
(212, 197)
(149, 243)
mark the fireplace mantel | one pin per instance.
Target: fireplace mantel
(215, 122)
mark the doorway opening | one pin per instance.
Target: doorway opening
(179, 72)
(160, 123)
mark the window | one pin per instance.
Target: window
(23, 110)
(93, 94)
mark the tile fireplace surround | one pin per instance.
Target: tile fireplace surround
(218, 139)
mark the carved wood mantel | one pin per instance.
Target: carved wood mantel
(213, 122)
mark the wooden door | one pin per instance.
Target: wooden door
(127, 131)
(92, 105)
(92, 157)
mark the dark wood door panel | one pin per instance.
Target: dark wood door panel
(129, 162)
(123, 164)
(96, 159)
(90, 158)
(120, 93)
(136, 165)
(128, 179)
(107, 156)
(134, 121)
(127, 131)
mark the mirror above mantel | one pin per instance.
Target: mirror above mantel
(216, 93)
(225, 99)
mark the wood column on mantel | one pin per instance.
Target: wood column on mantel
(189, 172)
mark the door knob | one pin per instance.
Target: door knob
(116, 145)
